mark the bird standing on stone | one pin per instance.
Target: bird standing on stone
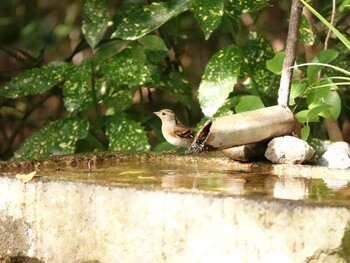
(173, 131)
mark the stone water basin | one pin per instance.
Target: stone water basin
(172, 208)
(201, 180)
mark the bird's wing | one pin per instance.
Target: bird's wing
(183, 132)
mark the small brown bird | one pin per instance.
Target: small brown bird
(173, 131)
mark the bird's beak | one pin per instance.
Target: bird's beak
(156, 113)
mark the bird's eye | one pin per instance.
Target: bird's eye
(163, 113)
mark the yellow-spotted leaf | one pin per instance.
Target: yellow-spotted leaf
(77, 90)
(56, 138)
(37, 80)
(139, 21)
(237, 7)
(95, 21)
(219, 77)
(127, 67)
(208, 14)
(126, 135)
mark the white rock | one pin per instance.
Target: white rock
(288, 149)
(336, 156)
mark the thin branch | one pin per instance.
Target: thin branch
(323, 64)
(332, 22)
(292, 39)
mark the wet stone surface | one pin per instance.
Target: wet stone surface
(194, 179)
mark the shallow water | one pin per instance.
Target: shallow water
(213, 181)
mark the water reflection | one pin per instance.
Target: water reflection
(210, 181)
(288, 188)
(227, 182)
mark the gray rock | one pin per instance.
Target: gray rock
(289, 150)
(336, 156)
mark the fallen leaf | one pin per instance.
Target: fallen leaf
(25, 178)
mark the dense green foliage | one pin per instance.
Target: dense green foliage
(131, 51)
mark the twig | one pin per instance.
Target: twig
(293, 30)
(332, 21)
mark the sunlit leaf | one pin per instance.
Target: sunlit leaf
(275, 64)
(248, 103)
(324, 56)
(138, 22)
(305, 132)
(77, 90)
(95, 21)
(126, 135)
(208, 14)
(324, 96)
(56, 138)
(36, 81)
(297, 89)
(306, 34)
(305, 116)
(219, 78)
(316, 111)
(256, 51)
(237, 7)
(127, 67)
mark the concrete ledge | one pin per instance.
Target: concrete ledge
(57, 221)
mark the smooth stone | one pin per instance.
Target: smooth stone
(336, 156)
(289, 150)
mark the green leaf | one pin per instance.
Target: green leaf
(154, 46)
(126, 135)
(327, 98)
(238, 7)
(324, 56)
(77, 90)
(176, 84)
(248, 103)
(138, 22)
(95, 21)
(108, 50)
(127, 67)
(306, 34)
(305, 132)
(305, 116)
(297, 89)
(56, 138)
(275, 64)
(316, 111)
(218, 79)
(208, 14)
(119, 97)
(163, 146)
(228, 107)
(256, 51)
(36, 81)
